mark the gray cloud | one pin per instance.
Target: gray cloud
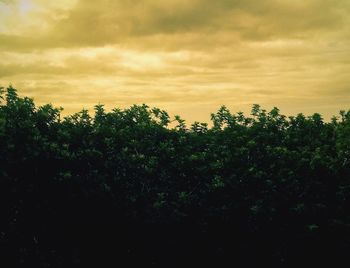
(189, 57)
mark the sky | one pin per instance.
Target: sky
(188, 57)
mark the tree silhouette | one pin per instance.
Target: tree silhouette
(125, 186)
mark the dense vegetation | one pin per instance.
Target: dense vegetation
(136, 186)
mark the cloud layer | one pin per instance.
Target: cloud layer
(188, 57)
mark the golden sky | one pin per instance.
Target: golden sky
(186, 56)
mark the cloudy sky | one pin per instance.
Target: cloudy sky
(186, 56)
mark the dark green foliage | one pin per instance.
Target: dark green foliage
(126, 186)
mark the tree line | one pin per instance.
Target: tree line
(136, 186)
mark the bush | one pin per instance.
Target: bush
(126, 186)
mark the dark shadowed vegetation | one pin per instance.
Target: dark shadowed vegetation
(136, 186)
